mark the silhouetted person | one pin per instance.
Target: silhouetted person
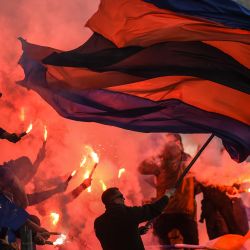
(117, 228)
(223, 214)
(12, 213)
(23, 168)
(20, 172)
(180, 213)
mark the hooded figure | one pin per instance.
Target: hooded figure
(180, 213)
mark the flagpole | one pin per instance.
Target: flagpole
(186, 170)
(179, 181)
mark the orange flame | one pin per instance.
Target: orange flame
(121, 171)
(55, 218)
(94, 156)
(86, 176)
(22, 114)
(83, 161)
(45, 134)
(104, 187)
(89, 150)
(29, 128)
(73, 173)
(60, 240)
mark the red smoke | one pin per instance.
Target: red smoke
(60, 24)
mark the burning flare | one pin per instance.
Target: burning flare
(29, 128)
(104, 187)
(55, 218)
(89, 151)
(73, 173)
(86, 176)
(83, 161)
(60, 240)
(71, 176)
(45, 134)
(22, 114)
(121, 171)
(94, 156)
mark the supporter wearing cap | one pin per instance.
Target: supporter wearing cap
(118, 228)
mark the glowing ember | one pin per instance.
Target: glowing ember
(22, 114)
(71, 176)
(45, 134)
(86, 176)
(60, 240)
(89, 151)
(29, 128)
(83, 161)
(94, 156)
(55, 218)
(104, 187)
(73, 173)
(121, 171)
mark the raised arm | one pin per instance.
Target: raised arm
(40, 157)
(78, 190)
(38, 197)
(150, 211)
(12, 137)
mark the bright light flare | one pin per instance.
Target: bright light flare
(86, 176)
(45, 134)
(121, 171)
(83, 161)
(104, 187)
(29, 128)
(94, 156)
(73, 173)
(55, 218)
(89, 151)
(60, 240)
(248, 190)
(22, 114)
(71, 176)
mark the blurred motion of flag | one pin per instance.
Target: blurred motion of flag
(154, 66)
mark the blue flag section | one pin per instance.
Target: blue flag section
(12, 217)
(130, 88)
(226, 12)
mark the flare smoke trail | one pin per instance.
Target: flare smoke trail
(60, 24)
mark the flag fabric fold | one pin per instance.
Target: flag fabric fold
(136, 22)
(226, 12)
(168, 87)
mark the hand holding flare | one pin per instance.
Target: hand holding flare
(27, 131)
(71, 176)
(96, 160)
(58, 241)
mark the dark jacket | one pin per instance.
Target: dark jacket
(117, 228)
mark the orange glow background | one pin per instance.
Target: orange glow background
(60, 24)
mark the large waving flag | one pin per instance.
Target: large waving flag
(134, 88)
(135, 22)
(227, 12)
(244, 3)
(175, 74)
